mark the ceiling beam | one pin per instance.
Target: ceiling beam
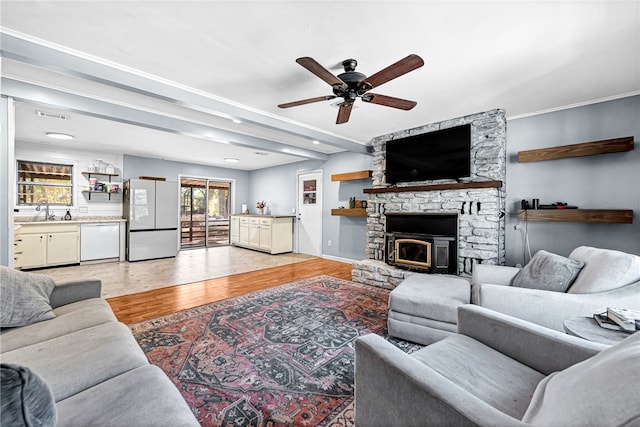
(29, 92)
(89, 68)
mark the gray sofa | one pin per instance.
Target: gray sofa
(498, 371)
(86, 360)
(608, 278)
(549, 290)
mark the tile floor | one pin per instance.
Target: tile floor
(123, 278)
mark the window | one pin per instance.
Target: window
(48, 182)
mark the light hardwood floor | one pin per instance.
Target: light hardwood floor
(154, 303)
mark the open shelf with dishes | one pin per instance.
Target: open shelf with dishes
(109, 192)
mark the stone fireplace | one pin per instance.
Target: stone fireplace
(468, 215)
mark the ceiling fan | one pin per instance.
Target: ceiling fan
(351, 85)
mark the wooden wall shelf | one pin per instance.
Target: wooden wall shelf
(349, 212)
(434, 187)
(350, 176)
(607, 216)
(617, 145)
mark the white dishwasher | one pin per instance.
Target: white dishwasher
(99, 240)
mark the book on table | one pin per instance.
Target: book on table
(604, 322)
(627, 319)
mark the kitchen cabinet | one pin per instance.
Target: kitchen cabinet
(43, 245)
(244, 232)
(234, 230)
(267, 233)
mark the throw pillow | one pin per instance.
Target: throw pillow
(604, 269)
(25, 399)
(549, 272)
(24, 298)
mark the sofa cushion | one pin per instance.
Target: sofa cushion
(25, 298)
(547, 271)
(69, 318)
(604, 269)
(496, 379)
(144, 396)
(80, 360)
(25, 399)
(432, 296)
(602, 390)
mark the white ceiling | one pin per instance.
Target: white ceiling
(523, 56)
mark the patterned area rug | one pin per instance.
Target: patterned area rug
(279, 357)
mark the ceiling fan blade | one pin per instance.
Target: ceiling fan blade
(389, 101)
(306, 101)
(398, 69)
(344, 112)
(317, 69)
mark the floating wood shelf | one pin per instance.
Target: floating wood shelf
(349, 212)
(101, 173)
(617, 145)
(434, 187)
(350, 176)
(607, 216)
(90, 192)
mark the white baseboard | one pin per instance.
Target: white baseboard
(335, 258)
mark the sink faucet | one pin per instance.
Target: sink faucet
(47, 217)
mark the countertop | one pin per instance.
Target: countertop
(84, 220)
(263, 216)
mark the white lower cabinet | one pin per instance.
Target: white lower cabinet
(272, 234)
(234, 230)
(46, 245)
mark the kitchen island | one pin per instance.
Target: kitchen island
(266, 233)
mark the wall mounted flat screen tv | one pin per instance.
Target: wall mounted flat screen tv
(442, 154)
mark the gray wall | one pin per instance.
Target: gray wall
(133, 167)
(609, 181)
(277, 185)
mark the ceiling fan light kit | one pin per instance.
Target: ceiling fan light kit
(352, 85)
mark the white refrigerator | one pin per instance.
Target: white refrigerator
(151, 210)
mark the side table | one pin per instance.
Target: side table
(588, 329)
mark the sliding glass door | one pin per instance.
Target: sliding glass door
(204, 212)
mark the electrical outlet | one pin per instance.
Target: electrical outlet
(329, 243)
(517, 227)
(83, 209)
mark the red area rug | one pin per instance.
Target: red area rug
(279, 357)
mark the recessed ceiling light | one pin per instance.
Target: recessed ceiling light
(236, 120)
(56, 135)
(231, 160)
(315, 142)
(261, 153)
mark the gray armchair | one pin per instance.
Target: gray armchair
(608, 279)
(498, 371)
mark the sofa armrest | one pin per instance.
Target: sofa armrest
(72, 291)
(549, 308)
(495, 274)
(413, 393)
(540, 348)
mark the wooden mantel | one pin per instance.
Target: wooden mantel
(434, 187)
